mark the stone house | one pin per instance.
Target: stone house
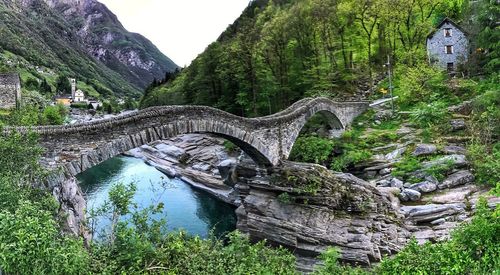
(64, 100)
(79, 96)
(10, 90)
(448, 45)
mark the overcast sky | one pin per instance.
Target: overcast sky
(181, 29)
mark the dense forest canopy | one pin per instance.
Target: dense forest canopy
(280, 51)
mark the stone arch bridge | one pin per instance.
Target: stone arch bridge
(268, 140)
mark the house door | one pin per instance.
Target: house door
(449, 67)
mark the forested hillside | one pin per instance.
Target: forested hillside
(280, 51)
(78, 39)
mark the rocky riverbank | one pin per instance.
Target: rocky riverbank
(308, 208)
(199, 160)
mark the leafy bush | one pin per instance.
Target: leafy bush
(350, 157)
(421, 83)
(331, 265)
(312, 149)
(486, 163)
(407, 165)
(427, 115)
(54, 115)
(31, 244)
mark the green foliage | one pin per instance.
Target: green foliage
(280, 51)
(312, 149)
(30, 239)
(350, 157)
(63, 86)
(428, 115)
(230, 147)
(32, 115)
(284, 198)
(440, 170)
(473, 249)
(19, 155)
(418, 83)
(31, 244)
(54, 115)
(331, 265)
(407, 165)
(486, 163)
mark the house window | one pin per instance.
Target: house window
(449, 66)
(447, 32)
(448, 49)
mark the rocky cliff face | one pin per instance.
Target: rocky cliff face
(79, 38)
(308, 209)
(105, 38)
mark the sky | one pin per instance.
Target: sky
(181, 29)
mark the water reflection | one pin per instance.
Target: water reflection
(185, 208)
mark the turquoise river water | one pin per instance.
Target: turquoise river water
(185, 208)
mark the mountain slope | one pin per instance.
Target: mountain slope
(279, 51)
(68, 38)
(130, 54)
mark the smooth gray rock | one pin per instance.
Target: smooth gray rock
(226, 170)
(384, 171)
(170, 150)
(455, 195)
(456, 161)
(453, 149)
(410, 195)
(397, 183)
(395, 154)
(457, 124)
(424, 187)
(167, 170)
(424, 150)
(459, 178)
(383, 183)
(431, 212)
(464, 108)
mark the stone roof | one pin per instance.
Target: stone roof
(446, 20)
(9, 79)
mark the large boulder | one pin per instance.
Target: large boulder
(453, 149)
(457, 124)
(397, 183)
(424, 150)
(455, 161)
(464, 108)
(409, 195)
(430, 212)
(424, 187)
(226, 170)
(171, 150)
(459, 178)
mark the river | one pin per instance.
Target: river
(185, 208)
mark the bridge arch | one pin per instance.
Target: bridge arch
(268, 140)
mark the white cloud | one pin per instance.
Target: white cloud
(181, 29)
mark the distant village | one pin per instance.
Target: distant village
(77, 97)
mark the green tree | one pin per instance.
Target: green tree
(63, 85)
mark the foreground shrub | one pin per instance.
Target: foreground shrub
(30, 243)
(486, 163)
(312, 149)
